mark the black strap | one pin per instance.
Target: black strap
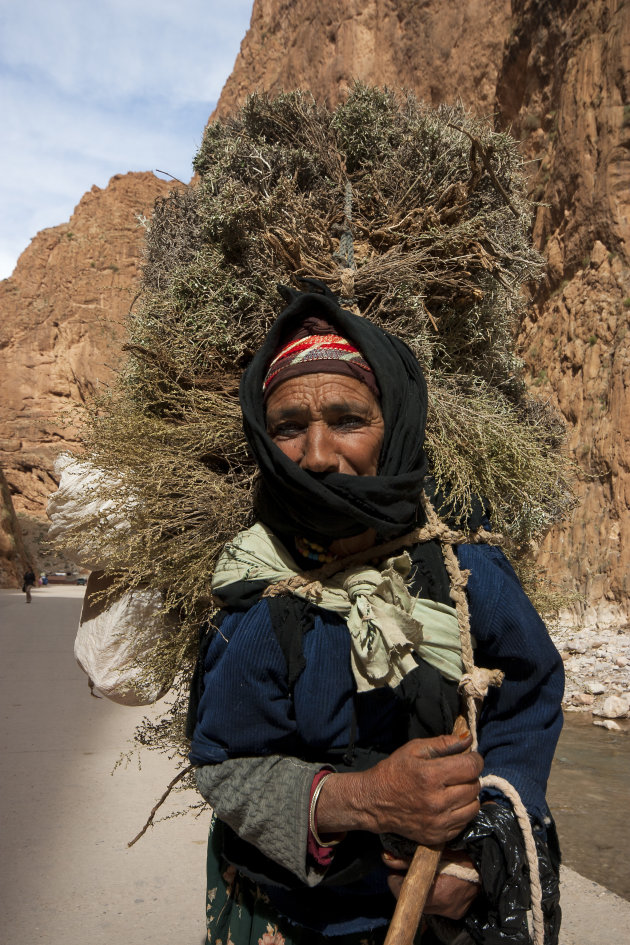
(350, 752)
(291, 619)
(358, 855)
(207, 631)
(239, 596)
(431, 700)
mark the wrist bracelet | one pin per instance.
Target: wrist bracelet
(311, 816)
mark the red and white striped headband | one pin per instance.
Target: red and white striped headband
(318, 354)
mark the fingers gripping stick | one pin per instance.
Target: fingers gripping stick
(417, 883)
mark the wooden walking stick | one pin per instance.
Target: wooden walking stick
(417, 882)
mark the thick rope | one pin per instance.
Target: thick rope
(470, 875)
(475, 681)
(493, 780)
(437, 530)
(467, 873)
(474, 686)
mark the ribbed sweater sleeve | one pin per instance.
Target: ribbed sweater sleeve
(521, 721)
(245, 708)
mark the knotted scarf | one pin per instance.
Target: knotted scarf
(388, 627)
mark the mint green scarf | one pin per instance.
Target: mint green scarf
(387, 625)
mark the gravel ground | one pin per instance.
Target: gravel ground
(597, 667)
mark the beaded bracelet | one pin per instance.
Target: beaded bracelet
(311, 816)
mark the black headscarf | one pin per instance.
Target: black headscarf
(297, 502)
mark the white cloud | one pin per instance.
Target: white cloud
(91, 90)
(110, 48)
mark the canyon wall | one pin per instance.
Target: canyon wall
(62, 322)
(564, 89)
(441, 49)
(13, 558)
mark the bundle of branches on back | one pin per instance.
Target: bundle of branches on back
(418, 218)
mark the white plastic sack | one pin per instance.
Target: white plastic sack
(80, 495)
(112, 640)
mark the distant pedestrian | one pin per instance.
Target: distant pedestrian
(45, 579)
(28, 585)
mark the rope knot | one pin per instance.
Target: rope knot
(460, 581)
(312, 589)
(347, 283)
(475, 684)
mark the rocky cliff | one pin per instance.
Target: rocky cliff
(13, 560)
(442, 49)
(557, 74)
(564, 88)
(61, 325)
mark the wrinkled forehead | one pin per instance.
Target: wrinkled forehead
(323, 396)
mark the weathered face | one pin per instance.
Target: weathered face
(327, 423)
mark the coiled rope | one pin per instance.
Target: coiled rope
(476, 680)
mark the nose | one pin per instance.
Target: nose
(320, 455)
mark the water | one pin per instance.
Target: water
(589, 795)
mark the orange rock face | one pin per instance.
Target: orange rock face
(441, 49)
(565, 87)
(13, 560)
(63, 311)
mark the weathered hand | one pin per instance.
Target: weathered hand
(448, 896)
(427, 790)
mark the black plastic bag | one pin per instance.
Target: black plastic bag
(495, 844)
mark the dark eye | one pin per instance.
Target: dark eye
(286, 429)
(350, 421)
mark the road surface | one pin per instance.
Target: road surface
(66, 874)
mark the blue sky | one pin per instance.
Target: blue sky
(92, 88)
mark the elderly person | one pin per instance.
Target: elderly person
(326, 703)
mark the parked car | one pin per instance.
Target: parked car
(65, 577)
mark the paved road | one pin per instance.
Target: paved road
(66, 874)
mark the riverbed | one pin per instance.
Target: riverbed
(589, 794)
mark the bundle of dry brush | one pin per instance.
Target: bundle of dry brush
(414, 215)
